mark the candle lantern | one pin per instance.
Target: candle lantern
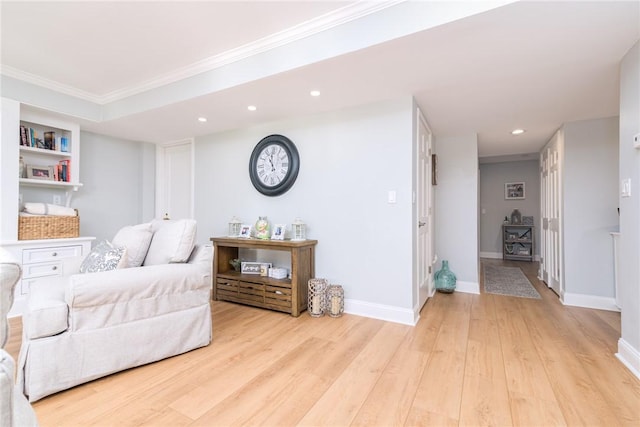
(317, 295)
(298, 230)
(335, 300)
(234, 227)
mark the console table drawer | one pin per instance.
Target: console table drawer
(278, 296)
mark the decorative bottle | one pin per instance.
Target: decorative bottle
(22, 171)
(445, 279)
(262, 228)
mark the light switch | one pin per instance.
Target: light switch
(391, 197)
(625, 188)
(636, 140)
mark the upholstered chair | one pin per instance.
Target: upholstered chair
(15, 410)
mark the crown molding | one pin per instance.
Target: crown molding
(40, 81)
(314, 26)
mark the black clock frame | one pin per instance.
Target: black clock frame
(292, 173)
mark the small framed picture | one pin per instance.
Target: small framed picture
(514, 190)
(40, 172)
(278, 232)
(245, 231)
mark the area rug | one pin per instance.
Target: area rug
(509, 281)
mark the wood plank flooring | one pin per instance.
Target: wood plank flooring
(472, 360)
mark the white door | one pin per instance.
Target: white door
(551, 250)
(424, 202)
(174, 180)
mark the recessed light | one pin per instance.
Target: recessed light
(202, 119)
(315, 93)
(517, 131)
(252, 108)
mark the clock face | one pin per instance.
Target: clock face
(274, 164)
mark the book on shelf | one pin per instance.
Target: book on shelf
(64, 170)
(49, 140)
(64, 144)
(24, 140)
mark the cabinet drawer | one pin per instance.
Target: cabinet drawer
(42, 269)
(226, 288)
(278, 296)
(251, 291)
(50, 254)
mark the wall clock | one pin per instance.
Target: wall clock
(274, 165)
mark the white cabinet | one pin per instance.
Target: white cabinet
(43, 260)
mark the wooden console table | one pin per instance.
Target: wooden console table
(287, 295)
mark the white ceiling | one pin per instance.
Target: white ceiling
(147, 66)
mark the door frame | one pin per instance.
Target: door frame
(422, 295)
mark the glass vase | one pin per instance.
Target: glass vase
(445, 279)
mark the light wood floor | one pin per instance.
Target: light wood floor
(471, 360)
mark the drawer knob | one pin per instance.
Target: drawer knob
(55, 267)
(54, 254)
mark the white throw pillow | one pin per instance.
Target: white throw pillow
(136, 238)
(104, 257)
(173, 241)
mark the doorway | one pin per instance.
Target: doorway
(174, 178)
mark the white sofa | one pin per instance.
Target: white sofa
(15, 410)
(88, 325)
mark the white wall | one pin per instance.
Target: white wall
(457, 208)
(590, 177)
(629, 344)
(118, 184)
(349, 160)
(494, 207)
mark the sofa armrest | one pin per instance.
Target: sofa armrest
(113, 297)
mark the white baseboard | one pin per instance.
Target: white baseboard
(590, 301)
(467, 287)
(380, 311)
(629, 356)
(492, 255)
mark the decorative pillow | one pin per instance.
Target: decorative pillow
(104, 257)
(136, 238)
(172, 242)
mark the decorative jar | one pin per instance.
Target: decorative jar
(516, 217)
(234, 227)
(445, 279)
(335, 300)
(262, 228)
(298, 230)
(317, 295)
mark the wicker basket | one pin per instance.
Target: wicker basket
(48, 227)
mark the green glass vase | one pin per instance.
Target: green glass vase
(445, 279)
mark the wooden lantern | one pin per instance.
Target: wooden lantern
(334, 300)
(317, 296)
(234, 227)
(298, 230)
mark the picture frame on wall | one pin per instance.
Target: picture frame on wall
(514, 191)
(434, 169)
